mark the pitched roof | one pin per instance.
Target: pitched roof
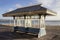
(30, 10)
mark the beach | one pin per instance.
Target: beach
(6, 33)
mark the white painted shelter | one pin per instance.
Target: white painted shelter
(27, 13)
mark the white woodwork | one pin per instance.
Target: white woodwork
(42, 31)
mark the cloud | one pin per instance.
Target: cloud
(56, 8)
(18, 5)
(30, 3)
(0, 8)
(53, 5)
(10, 9)
(45, 2)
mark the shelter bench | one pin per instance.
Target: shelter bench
(28, 30)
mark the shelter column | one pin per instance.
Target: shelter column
(29, 21)
(14, 21)
(25, 19)
(42, 31)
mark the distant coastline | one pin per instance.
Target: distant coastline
(48, 22)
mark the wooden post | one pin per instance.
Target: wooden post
(29, 22)
(14, 21)
(25, 19)
(42, 31)
(17, 21)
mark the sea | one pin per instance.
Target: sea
(47, 22)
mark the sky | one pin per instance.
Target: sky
(9, 5)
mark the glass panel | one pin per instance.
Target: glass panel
(35, 23)
(22, 22)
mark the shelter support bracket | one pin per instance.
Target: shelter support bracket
(42, 31)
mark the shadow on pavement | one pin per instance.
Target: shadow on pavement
(14, 35)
